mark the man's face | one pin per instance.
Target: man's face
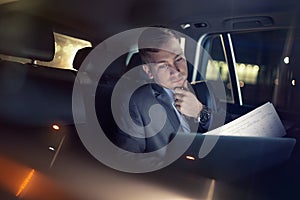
(167, 68)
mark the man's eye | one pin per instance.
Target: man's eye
(164, 66)
(179, 59)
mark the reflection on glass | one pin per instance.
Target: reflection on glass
(25, 182)
(247, 73)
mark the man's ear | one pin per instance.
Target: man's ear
(147, 70)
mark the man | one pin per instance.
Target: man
(168, 104)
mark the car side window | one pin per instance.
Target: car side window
(217, 65)
(65, 50)
(260, 61)
(259, 55)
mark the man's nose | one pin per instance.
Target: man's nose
(174, 69)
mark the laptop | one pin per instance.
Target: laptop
(231, 157)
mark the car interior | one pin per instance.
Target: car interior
(46, 48)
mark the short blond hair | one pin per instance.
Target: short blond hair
(151, 38)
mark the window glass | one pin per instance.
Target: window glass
(259, 61)
(217, 65)
(65, 51)
(258, 58)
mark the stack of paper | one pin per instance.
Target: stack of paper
(261, 122)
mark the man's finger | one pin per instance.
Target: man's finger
(178, 101)
(178, 107)
(178, 96)
(185, 84)
(180, 90)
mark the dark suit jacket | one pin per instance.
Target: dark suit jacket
(140, 103)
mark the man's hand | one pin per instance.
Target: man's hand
(187, 103)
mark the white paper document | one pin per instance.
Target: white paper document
(261, 122)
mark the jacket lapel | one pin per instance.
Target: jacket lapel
(163, 98)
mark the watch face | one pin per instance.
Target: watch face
(204, 115)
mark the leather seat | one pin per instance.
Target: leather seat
(32, 94)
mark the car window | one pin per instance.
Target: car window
(217, 66)
(65, 50)
(264, 50)
(260, 59)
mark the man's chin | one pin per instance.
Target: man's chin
(176, 85)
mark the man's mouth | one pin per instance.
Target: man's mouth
(177, 79)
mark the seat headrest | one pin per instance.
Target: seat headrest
(134, 61)
(81, 54)
(24, 36)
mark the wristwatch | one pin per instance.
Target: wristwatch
(204, 115)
